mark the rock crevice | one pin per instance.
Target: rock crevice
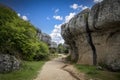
(95, 35)
(90, 41)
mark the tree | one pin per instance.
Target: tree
(62, 49)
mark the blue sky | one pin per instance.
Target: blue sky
(48, 15)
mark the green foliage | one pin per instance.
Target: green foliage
(19, 37)
(28, 71)
(103, 65)
(87, 69)
(53, 50)
(55, 55)
(62, 49)
(43, 52)
(43, 48)
(6, 14)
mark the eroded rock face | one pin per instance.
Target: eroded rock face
(53, 45)
(39, 34)
(46, 38)
(72, 33)
(101, 26)
(105, 15)
(8, 63)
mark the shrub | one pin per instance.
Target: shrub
(43, 52)
(19, 37)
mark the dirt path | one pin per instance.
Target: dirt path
(52, 70)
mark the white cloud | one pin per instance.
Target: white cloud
(24, 18)
(67, 18)
(56, 34)
(74, 6)
(77, 7)
(57, 10)
(48, 18)
(58, 17)
(19, 14)
(96, 1)
(83, 7)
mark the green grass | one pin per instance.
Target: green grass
(28, 71)
(91, 70)
(94, 73)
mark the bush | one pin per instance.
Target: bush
(19, 37)
(62, 48)
(52, 50)
(43, 53)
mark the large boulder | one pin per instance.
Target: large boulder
(74, 34)
(99, 26)
(105, 15)
(8, 63)
(104, 21)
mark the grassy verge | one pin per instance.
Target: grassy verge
(28, 71)
(94, 73)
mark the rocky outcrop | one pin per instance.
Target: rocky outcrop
(39, 34)
(8, 63)
(53, 45)
(94, 35)
(46, 38)
(74, 34)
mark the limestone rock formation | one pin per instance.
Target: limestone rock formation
(8, 63)
(39, 34)
(72, 33)
(46, 38)
(95, 33)
(53, 45)
(104, 21)
(105, 15)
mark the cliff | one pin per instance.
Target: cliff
(94, 35)
(46, 38)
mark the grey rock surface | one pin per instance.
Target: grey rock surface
(46, 38)
(8, 63)
(39, 34)
(53, 45)
(102, 24)
(105, 15)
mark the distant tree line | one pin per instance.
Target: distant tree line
(62, 48)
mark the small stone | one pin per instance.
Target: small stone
(99, 68)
